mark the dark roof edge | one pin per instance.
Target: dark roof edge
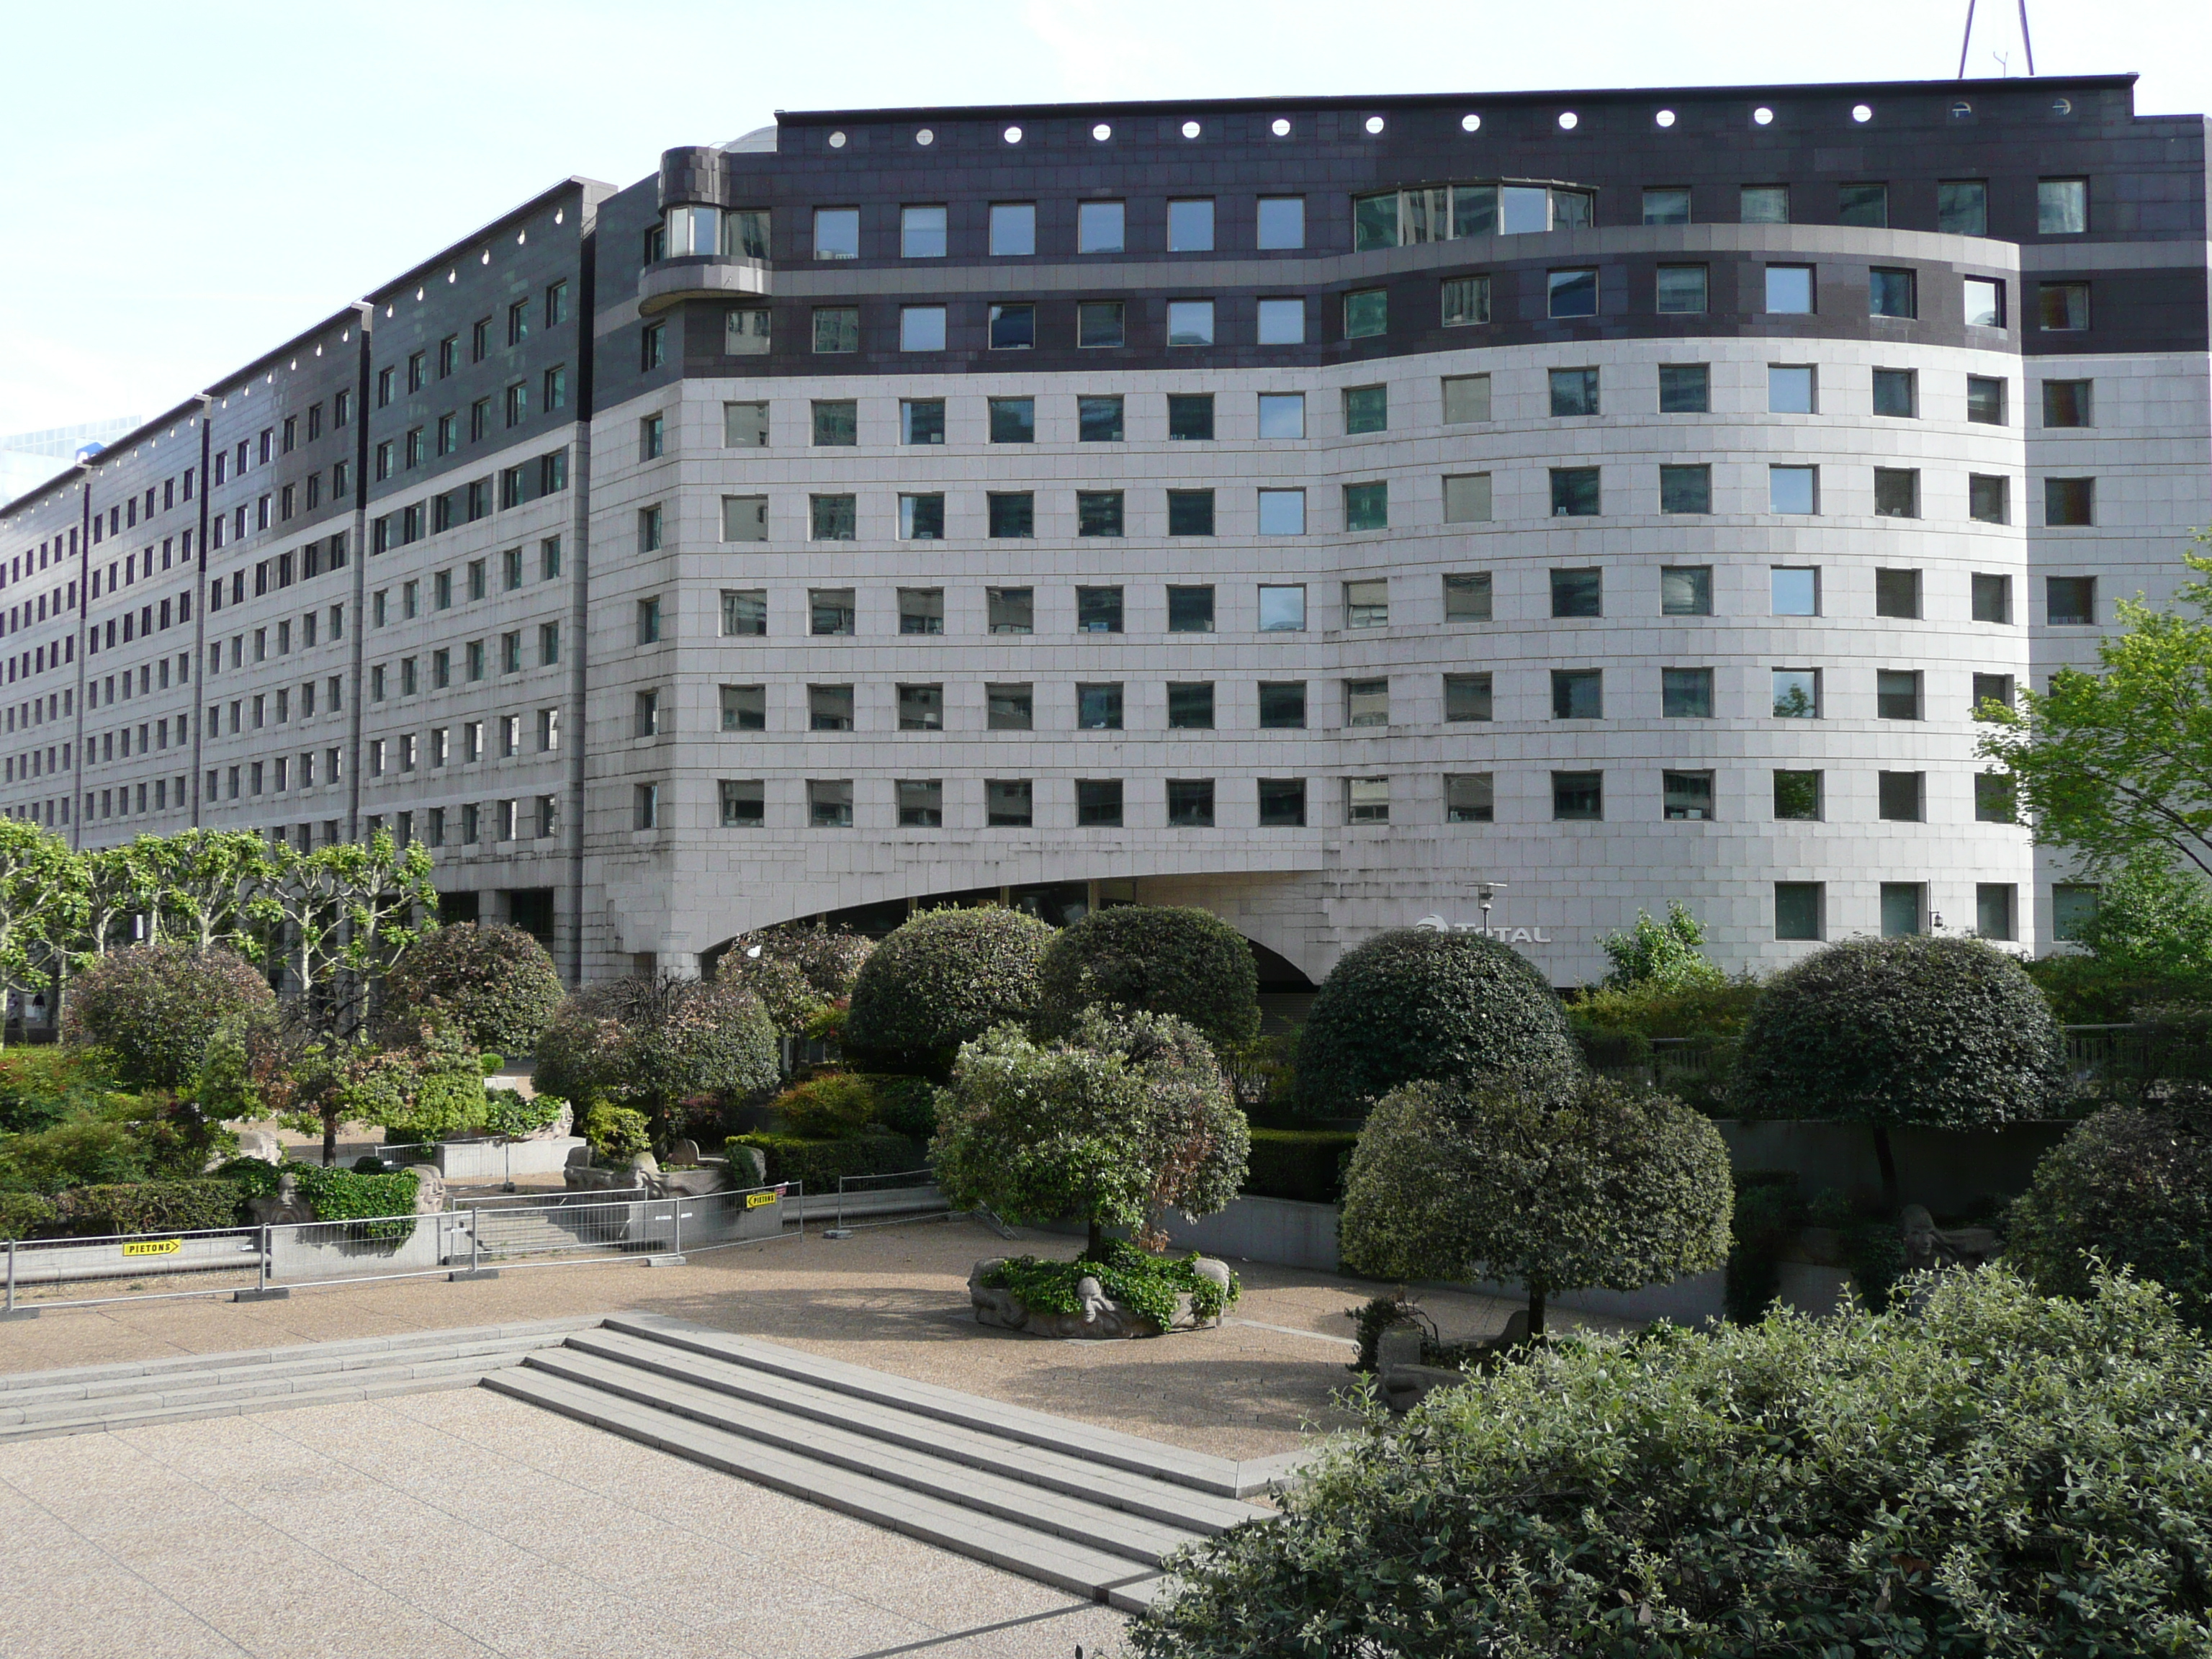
(71, 471)
(593, 192)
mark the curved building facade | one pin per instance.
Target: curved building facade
(1502, 512)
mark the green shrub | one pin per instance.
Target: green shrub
(1768, 1212)
(441, 1086)
(1667, 953)
(818, 1164)
(495, 982)
(385, 1201)
(509, 1112)
(906, 1105)
(1654, 1009)
(616, 1132)
(823, 1107)
(942, 979)
(150, 1207)
(2149, 942)
(1936, 1030)
(155, 1007)
(1149, 1284)
(254, 1177)
(2133, 1185)
(1413, 1003)
(21, 1213)
(796, 971)
(81, 1151)
(1306, 1164)
(1154, 960)
(40, 1087)
(1618, 1187)
(1996, 1474)
(659, 1044)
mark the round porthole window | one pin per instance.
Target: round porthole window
(1013, 135)
(1191, 128)
(1375, 124)
(1763, 116)
(2062, 106)
(1962, 110)
(925, 137)
(1281, 126)
(1569, 120)
(1862, 114)
(1470, 123)
(1665, 117)
(836, 141)
(1101, 132)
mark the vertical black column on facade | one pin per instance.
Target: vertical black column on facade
(358, 655)
(580, 566)
(198, 714)
(76, 818)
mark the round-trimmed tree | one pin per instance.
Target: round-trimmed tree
(1617, 1188)
(942, 979)
(1152, 959)
(495, 982)
(653, 1044)
(1949, 1033)
(796, 971)
(154, 1007)
(1414, 1004)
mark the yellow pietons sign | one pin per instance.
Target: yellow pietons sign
(760, 1200)
(154, 1247)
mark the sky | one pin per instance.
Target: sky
(184, 186)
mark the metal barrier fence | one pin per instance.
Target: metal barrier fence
(251, 1261)
(900, 1195)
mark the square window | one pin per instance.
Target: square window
(1282, 322)
(1012, 513)
(922, 233)
(1098, 420)
(1685, 389)
(1190, 610)
(1098, 512)
(1896, 493)
(1577, 592)
(1190, 707)
(921, 708)
(1896, 392)
(1367, 800)
(921, 517)
(1190, 415)
(1896, 594)
(1468, 499)
(2070, 601)
(829, 610)
(1897, 694)
(1098, 803)
(2061, 207)
(1686, 796)
(1791, 389)
(1466, 300)
(1367, 604)
(1190, 322)
(744, 708)
(829, 708)
(1367, 506)
(922, 328)
(1097, 610)
(1985, 400)
(1008, 707)
(1282, 221)
(836, 423)
(1686, 489)
(1190, 803)
(1797, 797)
(1574, 391)
(1190, 226)
(1367, 702)
(836, 233)
(1996, 797)
(2066, 403)
(1468, 697)
(1796, 694)
(1798, 907)
(2069, 501)
(1101, 324)
(1013, 420)
(1788, 289)
(1190, 512)
(829, 803)
(1667, 205)
(1899, 795)
(1570, 293)
(1962, 207)
(922, 420)
(1687, 693)
(744, 426)
(1992, 598)
(1989, 499)
(1282, 802)
(1366, 409)
(1577, 694)
(922, 803)
(1903, 909)
(1282, 705)
(1681, 289)
(1282, 414)
(1467, 398)
(1013, 228)
(1892, 293)
(836, 329)
(1866, 206)
(1578, 795)
(1574, 492)
(1282, 513)
(1011, 610)
(1984, 302)
(1993, 910)
(745, 332)
(1793, 489)
(1099, 228)
(2072, 906)
(921, 611)
(1763, 205)
(832, 518)
(1282, 608)
(1366, 313)
(1686, 590)
(1013, 326)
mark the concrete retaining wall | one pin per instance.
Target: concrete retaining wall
(493, 1160)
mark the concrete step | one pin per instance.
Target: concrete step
(1197, 1470)
(1042, 1509)
(279, 1386)
(1180, 1507)
(132, 1414)
(1103, 1575)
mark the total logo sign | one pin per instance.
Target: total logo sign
(1502, 935)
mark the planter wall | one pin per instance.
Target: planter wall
(492, 1160)
(1947, 1169)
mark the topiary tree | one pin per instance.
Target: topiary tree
(156, 1008)
(1991, 1475)
(653, 1044)
(1619, 1188)
(942, 979)
(1158, 960)
(796, 970)
(1413, 1003)
(495, 982)
(1129, 1118)
(1942, 1031)
(2132, 1186)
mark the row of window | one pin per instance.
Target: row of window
(552, 307)
(525, 482)
(442, 437)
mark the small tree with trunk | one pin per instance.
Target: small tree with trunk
(1617, 1189)
(653, 1044)
(42, 907)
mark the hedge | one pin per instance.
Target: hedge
(1154, 960)
(150, 1207)
(22, 1212)
(818, 1164)
(495, 982)
(1305, 1164)
(944, 978)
